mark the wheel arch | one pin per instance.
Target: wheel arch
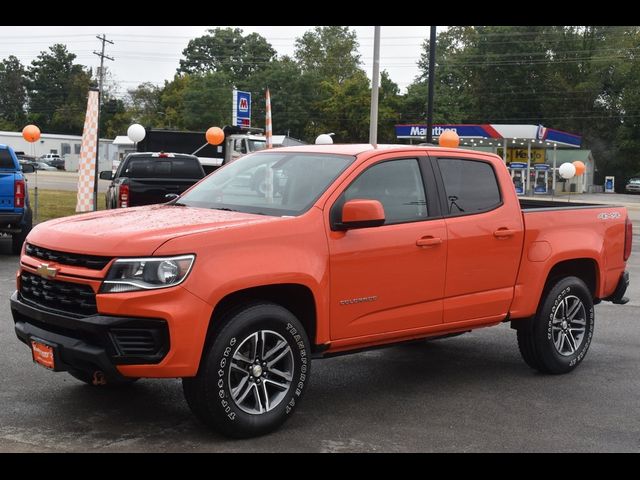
(296, 298)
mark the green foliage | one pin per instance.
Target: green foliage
(331, 52)
(227, 50)
(58, 91)
(13, 94)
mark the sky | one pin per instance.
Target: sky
(152, 54)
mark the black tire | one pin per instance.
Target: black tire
(17, 239)
(554, 342)
(87, 377)
(209, 393)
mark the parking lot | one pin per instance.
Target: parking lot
(470, 393)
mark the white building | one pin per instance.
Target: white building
(67, 146)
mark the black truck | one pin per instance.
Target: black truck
(147, 178)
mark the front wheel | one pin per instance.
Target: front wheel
(557, 339)
(253, 374)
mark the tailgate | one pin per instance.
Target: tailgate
(147, 191)
(6, 190)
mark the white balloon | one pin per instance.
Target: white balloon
(136, 132)
(324, 139)
(567, 170)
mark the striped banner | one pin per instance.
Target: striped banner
(87, 163)
(267, 130)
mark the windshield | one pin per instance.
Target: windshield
(268, 183)
(256, 145)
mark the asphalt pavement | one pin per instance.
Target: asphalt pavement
(471, 393)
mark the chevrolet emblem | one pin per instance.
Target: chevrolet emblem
(45, 271)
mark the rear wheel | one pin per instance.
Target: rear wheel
(557, 339)
(253, 374)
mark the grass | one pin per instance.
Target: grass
(56, 203)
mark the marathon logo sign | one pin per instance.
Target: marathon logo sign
(241, 112)
(420, 131)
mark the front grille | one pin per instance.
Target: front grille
(75, 259)
(137, 341)
(74, 298)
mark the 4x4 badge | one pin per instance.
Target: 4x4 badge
(45, 271)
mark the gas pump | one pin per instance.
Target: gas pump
(541, 185)
(518, 176)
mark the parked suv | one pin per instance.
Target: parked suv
(54, 160)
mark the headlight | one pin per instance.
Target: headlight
(131, 274)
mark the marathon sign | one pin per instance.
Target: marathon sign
(241, 108)
(534, 133)
(420, 131)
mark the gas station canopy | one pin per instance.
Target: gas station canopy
(496, 135)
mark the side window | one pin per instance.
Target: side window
(470, 186)
(397, 184)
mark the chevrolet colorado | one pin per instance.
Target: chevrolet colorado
(235, 289)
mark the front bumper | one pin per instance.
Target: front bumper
(93, 343)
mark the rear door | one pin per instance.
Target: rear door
(485, 236)
(7, 178)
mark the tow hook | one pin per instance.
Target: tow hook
(98, 378)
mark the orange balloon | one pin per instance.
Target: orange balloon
(580, 167)
(449, 138)
(31, 133)
(215, 136)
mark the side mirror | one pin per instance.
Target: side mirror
(27, 168)
(171, 196)
(106, 175)
(362, 214)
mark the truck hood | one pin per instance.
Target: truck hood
(133, 231)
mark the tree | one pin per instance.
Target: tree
(58, 90)
(345, 110)
(13, 94)
(146, 104)
(206, 101)
(331, 52)
(227, 50)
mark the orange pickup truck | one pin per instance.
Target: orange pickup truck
(234, 289)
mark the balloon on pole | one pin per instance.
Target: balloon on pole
(567, 170)
(136, 133)
(449, 139)
(580, 167)
(31, 133)
(214, 136)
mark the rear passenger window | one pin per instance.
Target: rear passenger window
(6, 161)
(470, 186)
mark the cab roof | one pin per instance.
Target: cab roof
(359, 148)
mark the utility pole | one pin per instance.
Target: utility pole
(102, 56)
(375, 83)
(432, 77)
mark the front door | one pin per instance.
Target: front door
(388, 278)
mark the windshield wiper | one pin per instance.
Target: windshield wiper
(224, 209)
(178, 204)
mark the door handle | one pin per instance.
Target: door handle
(504, 233)
(428, 241)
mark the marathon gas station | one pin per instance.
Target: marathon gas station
(531, 152)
